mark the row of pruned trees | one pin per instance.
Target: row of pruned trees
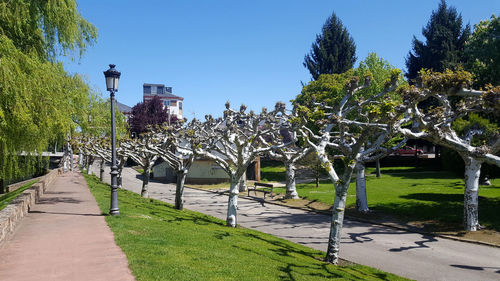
(356, 125)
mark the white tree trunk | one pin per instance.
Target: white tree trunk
(291, 191)
(472, 173)
(242, 184)
(65, 163)
(361, 199)
(145, 182)
(80, 158)
(332, 253)
(232, 204)
(179, 189)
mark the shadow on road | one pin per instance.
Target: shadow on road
(477, 268)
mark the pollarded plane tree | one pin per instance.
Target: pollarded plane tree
(234, 142)
(348, 127)
(289, 155)
(177, 146)
(456, 123)
(84, 143)
(101, 147)
(140, 149)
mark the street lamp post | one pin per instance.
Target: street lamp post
(112, 77)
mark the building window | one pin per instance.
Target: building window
(159, 90)
(166, 103)
(147, 89)
(180, 105)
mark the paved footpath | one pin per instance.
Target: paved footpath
(64, 237)
(413, 255)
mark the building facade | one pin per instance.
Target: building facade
(170, 101)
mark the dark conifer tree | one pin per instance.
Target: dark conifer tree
(334, 50)
(444, 44)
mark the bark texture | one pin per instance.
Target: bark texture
(291, 190)
(232, 204)
(332, 253)
(471, 203)
(361, 198)
(242, 184)
(179, 190)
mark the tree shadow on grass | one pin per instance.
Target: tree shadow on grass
(294, 269)
(441, 212)
(187, 217)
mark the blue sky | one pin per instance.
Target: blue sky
(247, 52)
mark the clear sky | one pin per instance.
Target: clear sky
(243, 51)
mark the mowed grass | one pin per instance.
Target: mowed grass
(162, 243)
(272, 171)
(415, 195)
(6, 198)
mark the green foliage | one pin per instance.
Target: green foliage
(381, 72)
(446, 81)
(46, 28)
(162, 243)
(328, 88)
(444, 45)
(96, 117)
(483, 52)
(38, 99)
(40, 103)
(331, 88)
(334, 50)
(474, 122)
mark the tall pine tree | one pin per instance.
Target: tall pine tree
(334, 50)
(445, 41)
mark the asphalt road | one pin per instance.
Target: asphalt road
(412, 255)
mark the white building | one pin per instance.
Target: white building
(172, 102)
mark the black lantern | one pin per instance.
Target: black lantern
(112, 77)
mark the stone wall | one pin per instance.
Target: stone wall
(12, 214)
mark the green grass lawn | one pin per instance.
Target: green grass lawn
(415, 195)
(272, 171)
(6, 198)
(162, 243)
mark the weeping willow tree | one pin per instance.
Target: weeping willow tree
(39, 100)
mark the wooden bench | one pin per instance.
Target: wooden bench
(268, 188)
